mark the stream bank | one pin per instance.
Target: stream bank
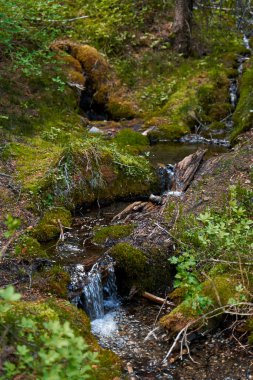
(126, 324)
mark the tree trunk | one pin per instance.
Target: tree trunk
(182, 26)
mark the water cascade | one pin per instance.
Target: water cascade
(97, 288)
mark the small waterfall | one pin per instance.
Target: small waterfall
(233, 92)
(95, 296)
(166, 175)
(92, 296)
(246, 42)
(110, 290)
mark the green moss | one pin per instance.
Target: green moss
(27, 247)
(54, 280)
(121, 109)
(148, 269)
(49, 226)
(184, 313)
(165, 130)
(243, 115)
(129, 138)
(103, 234)
(38, 310)
(96, 169)
(129, 258)
(32, 162)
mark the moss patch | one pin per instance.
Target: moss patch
(32, 161)
(103, 234)
(28, 248)
(130, 262)
(165, 130)
(49, 226)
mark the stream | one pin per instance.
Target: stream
(121, 325)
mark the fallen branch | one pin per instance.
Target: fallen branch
(159, 300)
(182, 336)
(226, 262)
(186, 169)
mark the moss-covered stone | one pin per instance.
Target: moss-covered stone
(96, 78)
(119, 108)
(129, 258)
(28, 248)
(50, 224)
(111, 233)
(96, 170)
(164, 129)
(32, 161)
(147, 269)
(218, 290)
(132, 141)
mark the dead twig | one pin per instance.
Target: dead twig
(61, 238)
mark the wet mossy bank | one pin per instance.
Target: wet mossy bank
(51, 310)
(211, 269)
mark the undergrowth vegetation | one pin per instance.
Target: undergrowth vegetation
(55, 353)
(217, 244)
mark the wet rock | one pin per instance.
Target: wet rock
(95, 130)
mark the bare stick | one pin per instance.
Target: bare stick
(156, 299)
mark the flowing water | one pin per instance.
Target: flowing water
(122, 326)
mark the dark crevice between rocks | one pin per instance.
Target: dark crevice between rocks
(93, 110)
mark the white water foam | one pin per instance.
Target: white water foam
(106, 326)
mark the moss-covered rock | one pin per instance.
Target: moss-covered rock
(111, 233)
(164, 129)
(96, 79)
(120, 108)
(128, 137)
(130, 264)
(218, 290)
(49, 226)
(147, 269)
(93, 170)
(83, 58)
(28, 248)
(129, 258)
